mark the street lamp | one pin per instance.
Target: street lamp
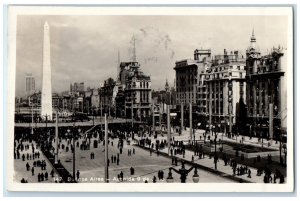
(183, 174)
(215, 159)
(74, 138)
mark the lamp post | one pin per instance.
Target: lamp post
(31, 118)
(74, 158)
(93, 115)
(183, 174)
(215, 158)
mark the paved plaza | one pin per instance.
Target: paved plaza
(145, 166)
(20, 170)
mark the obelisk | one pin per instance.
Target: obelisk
(46, 102)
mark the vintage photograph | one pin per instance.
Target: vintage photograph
(184, 95)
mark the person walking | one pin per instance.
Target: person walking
(131, 171)
(154, 179)
(78, 174)
(32, 171)
(52, 173)
(46, 176)
(249, 173)
(121, 175)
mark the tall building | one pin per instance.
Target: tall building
(224, 95)
(29, 84)
(106, 96)
(266, 89)
(137, 92)
(77, 88)
(46, 110)
(187, 76)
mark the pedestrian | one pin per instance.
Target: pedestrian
(118, 161)
(192, 158)
(23, 157)
(154, 179)
(39, 177)
(133, 150)
(78, 174)
(42, 176)
(249, 173)
(32, 171)
(46, 176)
(52, 173)
(121, 175)
(27, 166)
(131, 171)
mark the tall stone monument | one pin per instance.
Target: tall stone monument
(46, 102)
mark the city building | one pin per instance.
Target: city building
(222, 92)
(77, 88)
(106, 97)
(190, 87)
(266, 91)
(29, 84)
(138, 92)
(188, 74)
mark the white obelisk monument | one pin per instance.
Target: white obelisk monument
(46, 110)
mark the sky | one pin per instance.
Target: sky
(85, 48)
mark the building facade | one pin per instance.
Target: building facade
(29, 84)
(187, 76)
(223, 88)
(133, 96)
(106, 97)
(76, 88)
(266, 91)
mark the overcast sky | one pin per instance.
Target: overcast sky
(85, 48)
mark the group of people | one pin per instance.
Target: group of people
(25, 145)
(160, 175)
(115, 159)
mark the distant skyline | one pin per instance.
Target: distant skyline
(85, 48)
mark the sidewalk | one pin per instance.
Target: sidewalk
(20, 167)
(225, 171)
(208, 163)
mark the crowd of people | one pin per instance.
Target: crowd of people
(26, 151)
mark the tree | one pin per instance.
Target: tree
(241, 116)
